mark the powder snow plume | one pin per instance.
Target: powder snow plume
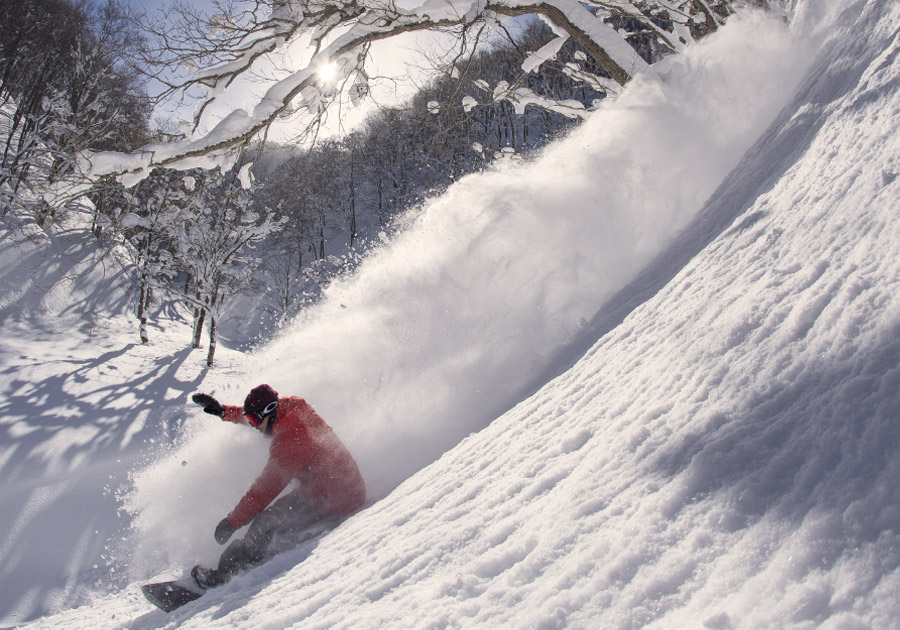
(454, 319)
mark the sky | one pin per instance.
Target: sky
(396, 68)
(723, 454)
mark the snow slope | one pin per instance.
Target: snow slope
(725, 456)
(466, 311)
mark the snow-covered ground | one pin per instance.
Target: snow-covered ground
(724, 455)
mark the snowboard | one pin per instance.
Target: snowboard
(169, 596)
(174, 594)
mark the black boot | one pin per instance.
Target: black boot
(207, 578)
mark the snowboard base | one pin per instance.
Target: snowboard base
(169, 596)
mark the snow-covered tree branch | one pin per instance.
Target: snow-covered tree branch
(239, 40)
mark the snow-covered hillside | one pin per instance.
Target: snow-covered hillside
(724, 455)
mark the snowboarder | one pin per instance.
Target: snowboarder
(303, 448)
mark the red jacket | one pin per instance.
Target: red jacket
(305, 448)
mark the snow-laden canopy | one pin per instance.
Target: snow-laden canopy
(304, 39)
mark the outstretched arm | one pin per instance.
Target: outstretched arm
(235, 414)
(210, 405)
(228, 413)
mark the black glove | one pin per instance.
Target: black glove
(224, 531)
(209, 404)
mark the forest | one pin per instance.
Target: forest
(276, 222)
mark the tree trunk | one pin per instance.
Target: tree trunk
(352, 204)
(381, 209)
(212, 340)
(199, 318)
(212, 305)
(353, 222)
(143, 260)
(143, 307)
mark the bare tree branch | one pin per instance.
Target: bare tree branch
(212, 51)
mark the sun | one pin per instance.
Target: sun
(327, 72)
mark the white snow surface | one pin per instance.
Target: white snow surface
(649, 380)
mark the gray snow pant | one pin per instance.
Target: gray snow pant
(282, 526)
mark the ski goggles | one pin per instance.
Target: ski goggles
(256, 417)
